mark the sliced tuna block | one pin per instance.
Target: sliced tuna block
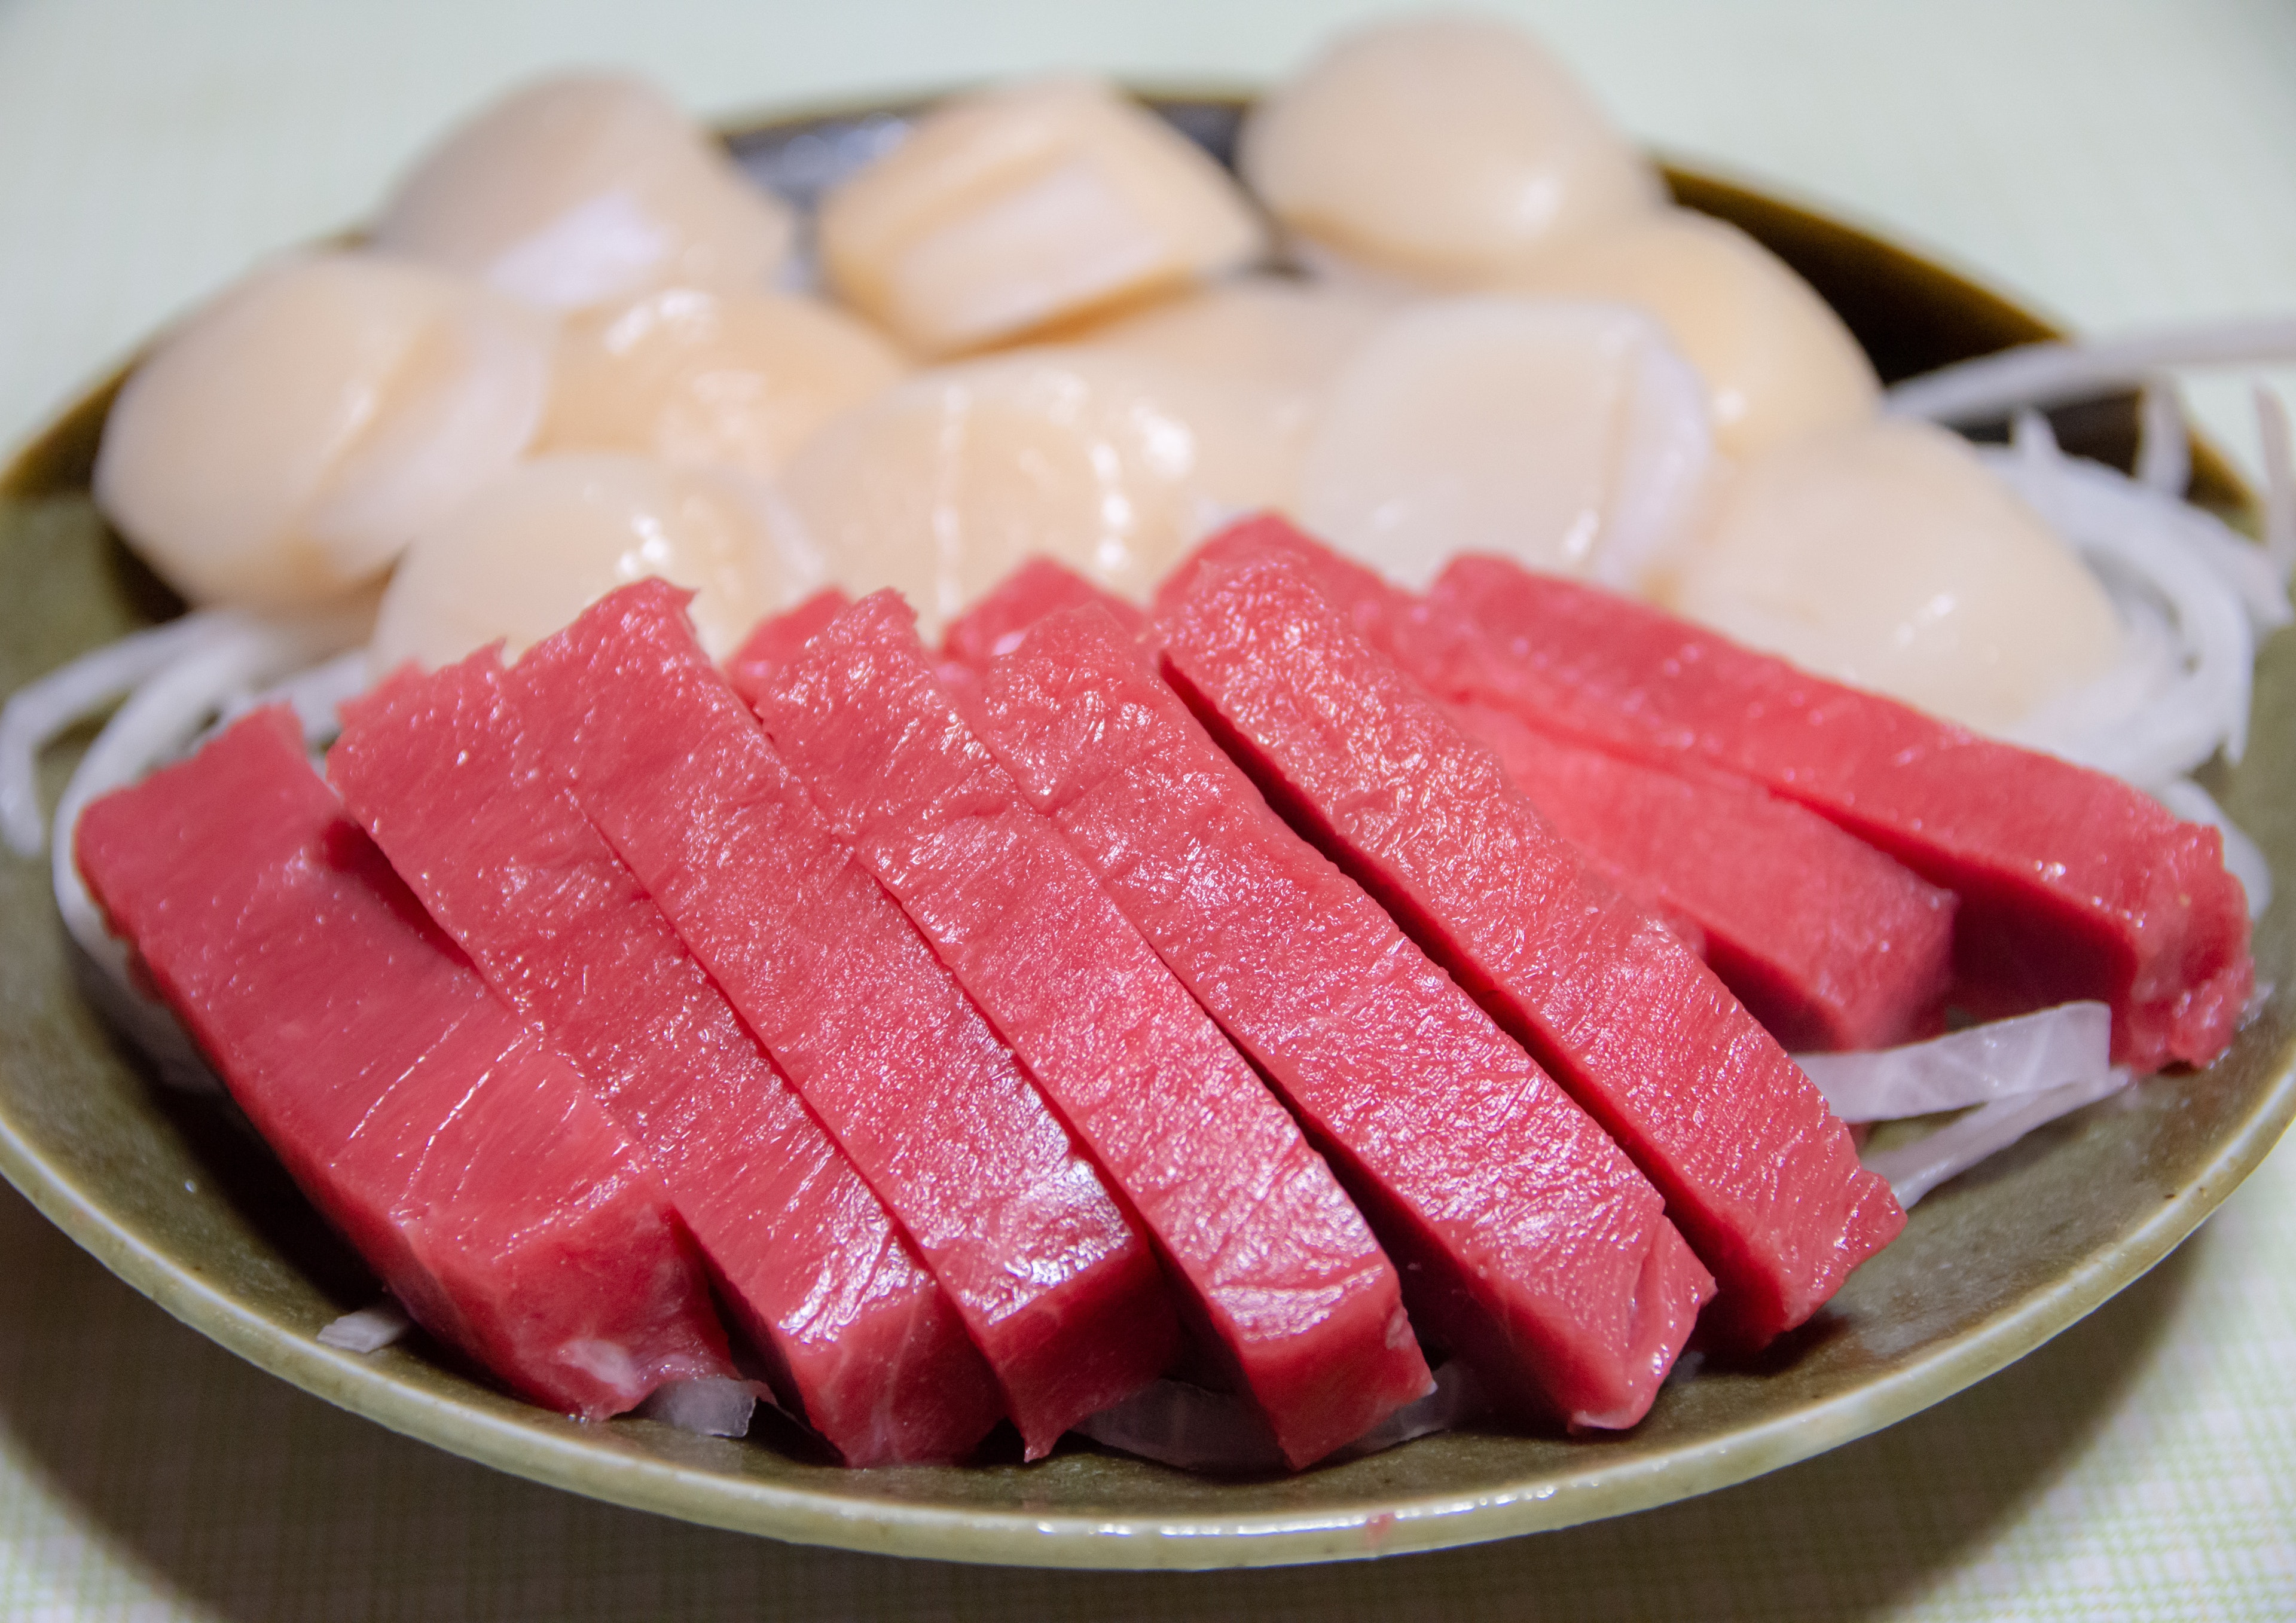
(1830, 943)
(1528, 1244)
(1038, 587)
(2072, 884)
(1300, 1307)
(1758, 1173)
(776, 638)
(1061, 1296)
(464, 1159)
(861, 1342)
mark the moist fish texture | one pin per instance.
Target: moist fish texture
(1758, 1173)
(1062, 1298)
(1038, 587)
(775, 640)
(1828, 943)
(1528, 1243)
(1297, 1303)
(859, 1341)
(463, 1158)
(2072, 884)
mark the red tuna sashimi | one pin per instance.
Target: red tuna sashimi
(1829, 943)
(2072, 884)
(775, 641)
(1065, 1301)
(463, 1158)
(1757, 1173)
(1302, 1307)
(1040, 587)
(1528, 1244)
(863, 1343)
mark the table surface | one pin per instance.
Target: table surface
(2115, 165)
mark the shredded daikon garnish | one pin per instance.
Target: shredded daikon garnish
(2279, 482)
(236, 657)
(2192, 595)
(38, 712)
(2002, 1059)
(369, 1329)
(1993, 385)
(1914, 1169)
(2164, 446)
(1174, 1423)
(707, 1405)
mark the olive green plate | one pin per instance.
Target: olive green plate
(174, 1197)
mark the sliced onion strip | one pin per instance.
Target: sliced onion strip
(369, 1329)
(2004, 1059)
(1993, 385)
(1914, 1169)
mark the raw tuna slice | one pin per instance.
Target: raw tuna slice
(2072, 884)
(1528, 1244)
(1758, 1173)
(463, 1159)
(1062, 1297)
(861, 1342)
(1302, 1308)
(1040, 587)
(1828, 943)
(775, 639)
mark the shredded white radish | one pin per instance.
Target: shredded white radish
(1993, 385)
(369, 1329)
(2164, 447)
(708, 1406)
(2279, 482)
(158, 722)
(2190, 596)
(1176, 1423)
(2001, 1060)
(37, 713)
(1914, 1169)
(2243, 858)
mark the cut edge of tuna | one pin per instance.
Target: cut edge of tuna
(1096, 738)
(1757, 1172)
(1041, 585)
(858, 1340)
(1066, 1301)
(2072, 884)
(1294, 1296)
(404, 1099)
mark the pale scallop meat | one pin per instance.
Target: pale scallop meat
(1777, 361)
(586, 188)
(1107, 463)
(1278, 337)
(1886, 555)
(532, 550)
(1569, 436)
(721, 379)
(1449, 148)
(285, 442)
(1006, 212)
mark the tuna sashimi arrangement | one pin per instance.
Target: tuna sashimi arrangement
(854, 1334)
(1286, 992)
(2072, 884)
(462, 1155)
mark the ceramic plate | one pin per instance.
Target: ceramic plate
(170, 1194)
